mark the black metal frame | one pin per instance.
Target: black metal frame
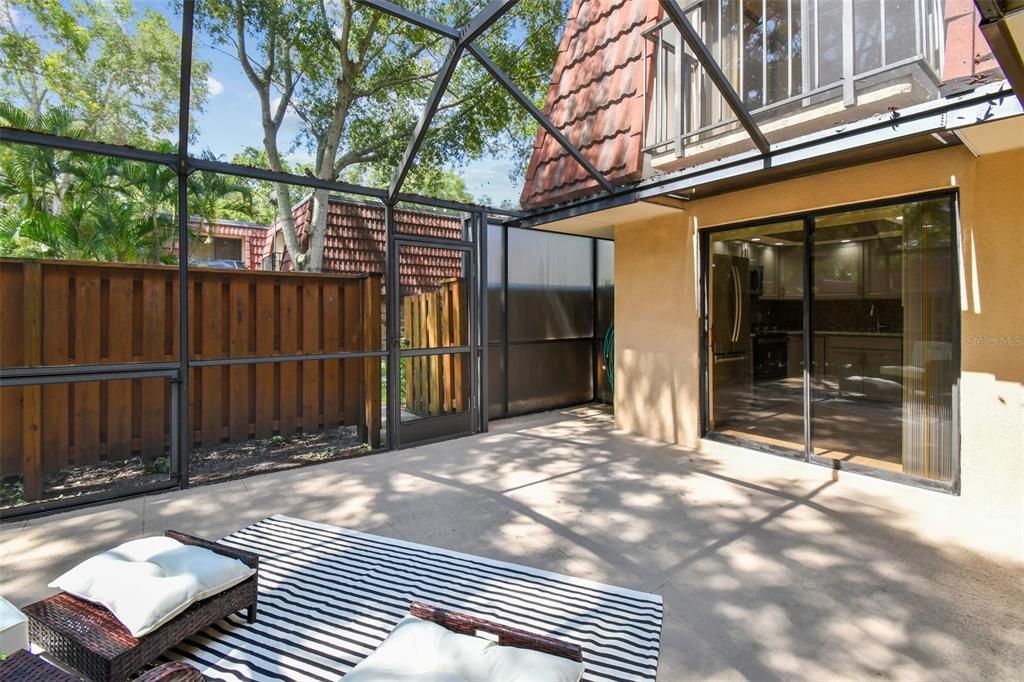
(177, 372)
(403, 434)
(791, 154)
(807, 219)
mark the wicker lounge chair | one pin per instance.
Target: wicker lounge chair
(25, 667)
(89, 639)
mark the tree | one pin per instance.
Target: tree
(76, 206)
(357, 79)
(113, 69)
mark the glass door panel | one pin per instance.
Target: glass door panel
(883, 330)
(755, 336)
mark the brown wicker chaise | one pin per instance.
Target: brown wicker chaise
(89, 639)
(507, 636)
(21, 666)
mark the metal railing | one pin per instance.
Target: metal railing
(780, 55)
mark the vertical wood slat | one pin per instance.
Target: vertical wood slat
(265, 395)
(311, 369)
(31, 407)
(238, 375)
(101, 313)
(352, 342)
(370, 314)
(407, 331)
(444, 300)
(120, 292)
(11, 311)
(56, 436)
(212, 344)
(332, 343)
(422, 363)
(153, 392)
(288, 395)
(87, 351)
(460, 332)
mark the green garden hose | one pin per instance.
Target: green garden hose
(609, 355)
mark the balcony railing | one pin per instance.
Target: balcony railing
(795, 64)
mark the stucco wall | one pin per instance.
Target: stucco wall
(657, 368)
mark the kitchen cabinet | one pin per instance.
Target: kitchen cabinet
(838, 270)
(883, 268)
(791, 272)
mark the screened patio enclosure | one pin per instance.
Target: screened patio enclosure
(144, 358)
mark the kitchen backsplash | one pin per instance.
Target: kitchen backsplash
(849, 315)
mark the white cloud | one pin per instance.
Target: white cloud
(214, 86)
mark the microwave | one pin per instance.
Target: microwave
(756, 280)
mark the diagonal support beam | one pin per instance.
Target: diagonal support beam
(714, 71)
(539, 116)
(413, 18)
(484, 19)
(419, 133)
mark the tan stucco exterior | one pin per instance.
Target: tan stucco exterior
(657, 339)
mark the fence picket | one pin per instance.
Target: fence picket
(97, 313)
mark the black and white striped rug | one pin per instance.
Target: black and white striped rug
(329, 596)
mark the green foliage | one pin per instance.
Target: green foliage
(67, 205)
(357, 80)
(115, 69)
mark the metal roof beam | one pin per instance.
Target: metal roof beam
(412, 17)
(74, 144)
(539, 116)
(419, 133)
(700, 50)
(484, 19)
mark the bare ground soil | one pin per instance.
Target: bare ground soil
(206, 465)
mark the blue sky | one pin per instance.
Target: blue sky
(230, 122)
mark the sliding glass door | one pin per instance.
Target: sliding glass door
(833, 336)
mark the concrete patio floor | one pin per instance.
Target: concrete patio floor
(770, 569)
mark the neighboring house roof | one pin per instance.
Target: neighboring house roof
(356, 242)
(253, 236)
(596, 98)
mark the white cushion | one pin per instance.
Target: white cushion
(418, 651)
(147, 582)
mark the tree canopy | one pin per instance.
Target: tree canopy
(351, 81)
(357, 80)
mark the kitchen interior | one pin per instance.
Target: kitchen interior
(863, 389)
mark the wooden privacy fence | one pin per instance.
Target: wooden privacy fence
(70, 313)
(436, 385)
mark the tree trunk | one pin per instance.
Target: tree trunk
(282, 192)
(318, 230)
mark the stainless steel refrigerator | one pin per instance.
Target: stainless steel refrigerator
(731, 361)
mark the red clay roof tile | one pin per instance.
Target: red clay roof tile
(595, 98)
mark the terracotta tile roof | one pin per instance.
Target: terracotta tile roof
(356, 242)
(253, 237)
(596, 98)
